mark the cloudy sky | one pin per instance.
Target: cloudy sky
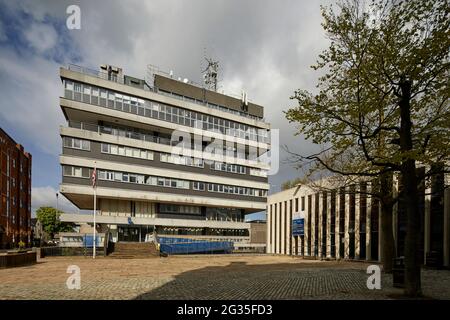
(264, 47)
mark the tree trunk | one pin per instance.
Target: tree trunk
(409, 177)
(387, 240)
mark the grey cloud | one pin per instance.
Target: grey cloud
(267, 46)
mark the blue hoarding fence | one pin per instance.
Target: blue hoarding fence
(88, 241)
(193, 246)
(298, 227)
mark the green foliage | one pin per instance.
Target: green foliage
(21, 245)
(51, 224)
(355, 114)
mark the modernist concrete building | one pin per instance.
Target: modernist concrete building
(15, 190)
(345, 223)
(171, 156)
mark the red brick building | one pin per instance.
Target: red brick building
(15, 187)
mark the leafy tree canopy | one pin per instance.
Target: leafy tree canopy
(51, 224)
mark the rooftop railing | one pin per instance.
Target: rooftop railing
(105, 76)
(121, 79)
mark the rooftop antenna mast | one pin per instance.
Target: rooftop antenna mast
(210, 74)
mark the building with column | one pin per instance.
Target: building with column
(15, 184)
(344, 223)
(172, 157)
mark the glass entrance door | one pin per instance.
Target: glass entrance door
(128, 234)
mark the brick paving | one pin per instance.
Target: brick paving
(206, 277)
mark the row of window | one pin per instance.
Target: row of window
(258, 172)
(107, 175)
(182, 160)
(81, 172)
(172, 208)
(75, 143)
(126, 151)
(110, 99)
(134, 133)
(227, 167)
(142, 179)
(164, 157)
(210, 105)
(214, 187)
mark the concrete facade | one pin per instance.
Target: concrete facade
(158, 156)
(344, 223)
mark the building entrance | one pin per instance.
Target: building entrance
(133, 233)
(128, 234)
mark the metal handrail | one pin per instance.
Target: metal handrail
(104, 75)
(121, 80)
(102, 130)
(135, 135)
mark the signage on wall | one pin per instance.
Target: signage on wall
(298, 227)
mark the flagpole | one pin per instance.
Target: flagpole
(95, 209)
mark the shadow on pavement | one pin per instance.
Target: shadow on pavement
(239, 280)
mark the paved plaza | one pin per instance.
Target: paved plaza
(206, 277)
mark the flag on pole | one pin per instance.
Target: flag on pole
(94, 178)
(94, 184)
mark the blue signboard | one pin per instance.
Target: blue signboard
(298, 227)
(89, 241)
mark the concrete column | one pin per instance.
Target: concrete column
(289, 226)
(328, 244)
(282, 226)
(357, 220)
(347, 224)
(427, 226)
(447, 227)
(368, 222)
(337, 240)
(274, 231)
(319, 223)
(313, 224)
(269, 230)
(280, 234)
(308, 219)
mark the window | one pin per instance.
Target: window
(68, 85)
(77, 143)
(303, 203)
(67, 171)
(106, 148)
(198, 186)
(77, 172)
